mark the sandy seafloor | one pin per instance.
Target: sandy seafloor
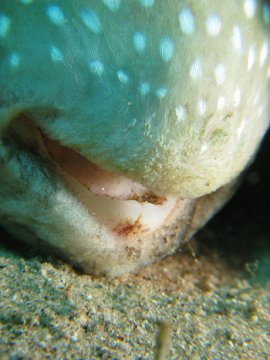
(213, 297)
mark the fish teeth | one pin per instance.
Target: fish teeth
(123, 217)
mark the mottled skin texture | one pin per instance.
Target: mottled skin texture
(78, 73)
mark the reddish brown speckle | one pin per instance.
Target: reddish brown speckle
(126, 228)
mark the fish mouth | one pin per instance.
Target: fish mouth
(102, 222)
(126, 207)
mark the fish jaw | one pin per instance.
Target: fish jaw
(39, 207)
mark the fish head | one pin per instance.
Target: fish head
(125, 124)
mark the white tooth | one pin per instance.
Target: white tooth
(113, 212)
(115, 186)
(153, 216)
(125, 217)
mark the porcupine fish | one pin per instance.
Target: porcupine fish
(124, 124)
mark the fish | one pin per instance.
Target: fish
(126, 124)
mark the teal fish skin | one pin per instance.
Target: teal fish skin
(171, 94)
(156, 98)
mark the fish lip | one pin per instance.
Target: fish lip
(58, 153)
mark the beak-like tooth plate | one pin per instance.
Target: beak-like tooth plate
(107, 196)
(123, 217)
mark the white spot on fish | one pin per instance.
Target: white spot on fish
(221, 103)
(204, 147)
(147, 3)
(96, 67)
(166, 49)
(181, 113)
(256, 99)
(196, 69)
(56, 15)
(91, 20)
(260, 111)
(113, 5)
(264, 53)
(161, 92)
(251, 57)
(237, 97)
(202, 106)
(144, 88)
(220, 74)
(4, 25)
(237, 38)
(139, 41)
(186, 21)
(250, 8)
(213, 25)
(241, 128)
(56, 54)
(122, 77)
(14, 60)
